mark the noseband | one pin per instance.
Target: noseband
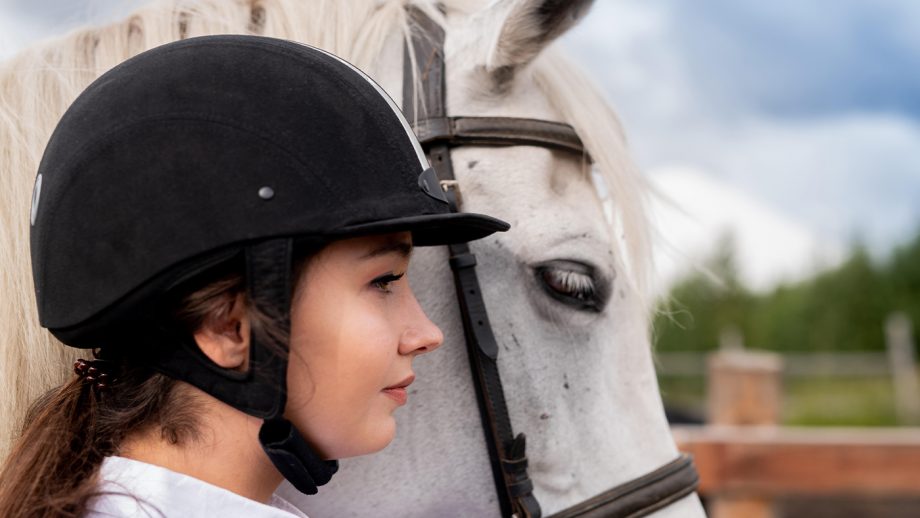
(438, 133)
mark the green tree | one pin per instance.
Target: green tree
(704, 303)
(902, 277)
(841, 309)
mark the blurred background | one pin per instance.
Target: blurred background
(784, 140)
(787, 136)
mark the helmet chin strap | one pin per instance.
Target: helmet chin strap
(268, 274)
(261, 391)
(293, 457)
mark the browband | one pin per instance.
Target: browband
(499, 131)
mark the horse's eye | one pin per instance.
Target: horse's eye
(573, 283)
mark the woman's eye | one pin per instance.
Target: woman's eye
(383, 282)
(573, 283)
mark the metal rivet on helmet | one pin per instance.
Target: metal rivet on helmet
(266, 193)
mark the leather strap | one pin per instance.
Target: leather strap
(641, 496)
(499, 131)
(424, 103)
(506, 452)
(293, 457)
(268, 274)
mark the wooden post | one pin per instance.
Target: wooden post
(901, 358)
(745, 388)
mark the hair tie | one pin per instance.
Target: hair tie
(98, 372)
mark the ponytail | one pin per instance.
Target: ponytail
(52, 470)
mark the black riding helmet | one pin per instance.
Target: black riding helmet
(211, 148)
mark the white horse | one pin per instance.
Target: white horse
(579, 382)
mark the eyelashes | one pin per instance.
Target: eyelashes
(574, 283)
(383, 282)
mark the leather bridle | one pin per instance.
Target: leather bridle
(438, 133)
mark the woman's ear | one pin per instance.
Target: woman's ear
(225, 338)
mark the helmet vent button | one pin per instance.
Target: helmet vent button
(266, 193)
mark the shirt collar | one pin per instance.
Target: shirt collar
(135, 488)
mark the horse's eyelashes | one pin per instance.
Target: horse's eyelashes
(573, 283)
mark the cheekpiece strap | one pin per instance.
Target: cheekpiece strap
(268, 272)
(268, 278)
(506, 452)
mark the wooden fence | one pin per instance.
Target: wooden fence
(744, 468)
(746, 461)
(796, 365)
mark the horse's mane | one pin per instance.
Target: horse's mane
(38, 84)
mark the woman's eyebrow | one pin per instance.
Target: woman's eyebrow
(400, 247)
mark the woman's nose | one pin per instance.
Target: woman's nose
(421, 335)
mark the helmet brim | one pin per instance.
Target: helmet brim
(431, 229)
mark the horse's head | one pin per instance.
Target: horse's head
(568, 313)
(563, 290)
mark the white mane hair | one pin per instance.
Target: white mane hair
(38, 84)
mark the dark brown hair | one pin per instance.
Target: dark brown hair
(52, 470)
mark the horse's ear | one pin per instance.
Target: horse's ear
(526, 28)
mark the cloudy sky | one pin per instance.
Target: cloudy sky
(794, 124)
(801, 120)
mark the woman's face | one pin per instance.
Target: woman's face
(355, 329)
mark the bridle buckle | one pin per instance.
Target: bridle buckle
(453, 186)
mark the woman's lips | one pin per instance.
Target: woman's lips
(398, 394)
(398, 391)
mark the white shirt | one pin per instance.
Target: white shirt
(140, 489)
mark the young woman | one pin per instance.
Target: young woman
(226, 222)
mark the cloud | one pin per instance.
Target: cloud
(854, 173)
(768, 246)
(810, 107)
(16, 32)
(59, 16)
(798, 58)
(847, 176)
(721, 57)
(24, 22)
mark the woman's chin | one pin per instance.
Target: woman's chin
(376, 437)
(381, 435)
